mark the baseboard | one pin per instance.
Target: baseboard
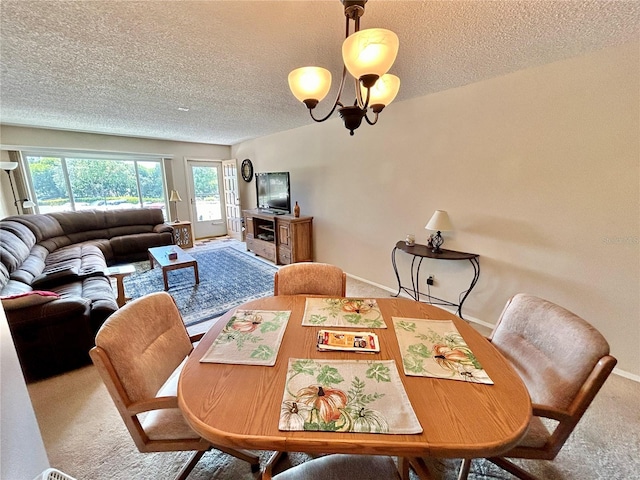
(616, 371)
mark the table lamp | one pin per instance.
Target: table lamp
(175, 197)
(440, 223)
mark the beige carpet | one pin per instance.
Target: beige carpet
(85, 437)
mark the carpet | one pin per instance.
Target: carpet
(228, 278)
(86, 438)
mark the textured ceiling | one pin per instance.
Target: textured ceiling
(125, 67)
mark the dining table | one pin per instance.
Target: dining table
(239, 405)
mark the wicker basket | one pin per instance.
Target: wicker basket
(53, 474)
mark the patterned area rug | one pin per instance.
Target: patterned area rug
(228, 278)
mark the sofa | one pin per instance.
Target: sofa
(53, 283)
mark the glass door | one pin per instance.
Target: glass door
(207, 202)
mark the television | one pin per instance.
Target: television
(273, 192)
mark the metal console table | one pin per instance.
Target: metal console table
(420, 252)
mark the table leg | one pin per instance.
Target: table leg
(415, 278)
(395, 269)
(122, 298)
(164, 277)
(150, 259)
(195, 271)
(403, 468)
(475, 263)
(421, 469)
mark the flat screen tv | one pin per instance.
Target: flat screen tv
(273, 192)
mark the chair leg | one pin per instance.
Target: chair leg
(245, 455)
(268, 467)
(512, 468)
(465, 466)
(188, 467)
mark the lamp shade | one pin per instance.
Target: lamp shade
(175, 196)
(384, 91)
(439, 222)
(310, 83)
(370, 52)
(8, 165)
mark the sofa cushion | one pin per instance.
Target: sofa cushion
(43, 227)
(32, 266)
(52, 277)
(16, 244)
(27, 299)
(135, 216)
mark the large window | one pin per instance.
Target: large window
(65, 182)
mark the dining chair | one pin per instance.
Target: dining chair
(139, 354)
(563, 362)
(310, 278)
(341, 467)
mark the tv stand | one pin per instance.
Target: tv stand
(278, 237)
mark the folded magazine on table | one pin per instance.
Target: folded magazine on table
(346, 341)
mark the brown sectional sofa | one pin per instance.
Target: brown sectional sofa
(67, 253)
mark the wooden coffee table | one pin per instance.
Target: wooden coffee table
(183, 260)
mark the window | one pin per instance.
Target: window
(104, 182)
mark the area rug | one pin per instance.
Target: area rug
(228, 278)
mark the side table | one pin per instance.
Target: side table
(420, 252)
(182, 234)
(119, 273)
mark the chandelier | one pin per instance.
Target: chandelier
(367, 55)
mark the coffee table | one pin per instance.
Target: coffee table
(160, 255)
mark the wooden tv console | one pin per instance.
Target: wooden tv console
(283, 239)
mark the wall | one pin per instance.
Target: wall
(23, 454)
(539, 171)
(18, 137)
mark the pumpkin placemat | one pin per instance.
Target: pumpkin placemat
(346, 396)
(435, 348)
(342, 312)
(250, 337)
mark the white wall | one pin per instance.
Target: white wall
(23, 454)
(539, 171)
(20, 137)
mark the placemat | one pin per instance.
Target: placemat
(250, 337)
(435, 348)
(342, 312)
(346, 396)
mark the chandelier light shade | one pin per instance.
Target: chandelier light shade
(370, 52)
(367, 56)
(383, 92)
(310, 84)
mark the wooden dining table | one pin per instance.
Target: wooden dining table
(239, 406)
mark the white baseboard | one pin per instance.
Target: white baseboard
(617, 371)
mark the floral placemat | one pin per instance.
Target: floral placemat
(342, 312)
(250, 337)
(435, 348)
(346, 396)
